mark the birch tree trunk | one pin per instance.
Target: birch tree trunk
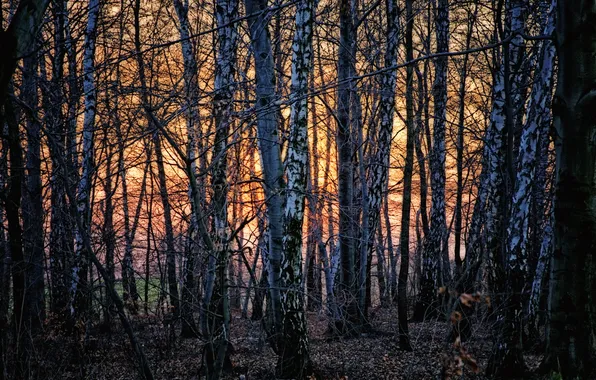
(498, 145)
(393, 273)
(294, 361)
(507, 357)
(379, 166)
(568, 345)
(438, 226)
(435, 262)
(541, 272)
(217, 303)
(80, 291)
(285, 243)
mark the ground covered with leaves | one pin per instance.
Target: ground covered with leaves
(101, 354)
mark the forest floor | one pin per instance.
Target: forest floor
(107, 355)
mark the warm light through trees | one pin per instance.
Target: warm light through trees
(189, 164)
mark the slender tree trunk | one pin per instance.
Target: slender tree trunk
(499, 145)
(60, 242)
(5, 264)
(80, 289)
(507, 359)
(216, 299)
(460, 146)
(379, 168)
(21, 320)
(420, 158)
(315, 219)
(391, 253)
(438, 227)
(541, 273)
(269, 147)
(347, 287)
(435, 266)
(294, 361)
(404, 238)
(109, 234)
(5, 267)
(32, 206)
(381, 267)
(130, 293)
(192, 126)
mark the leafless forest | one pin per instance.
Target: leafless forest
(297, 189)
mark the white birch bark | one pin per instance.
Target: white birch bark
(79, 272)
(216, 322)
(285, 220)
(494, 171)
(546, 249)
(379, 166)
(506, 359)
(537, 124)
(435, 267)
(435, 260)
(294, 358)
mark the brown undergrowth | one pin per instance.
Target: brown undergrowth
(376, 355)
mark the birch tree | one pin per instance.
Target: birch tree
(216, 321)
(379, 166)
(80, 292)
(435, 266)
(498, 141)
(285, 210)
(294, 359)
(507, 359)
